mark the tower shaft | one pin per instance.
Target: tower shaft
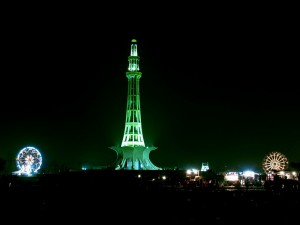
(133, 134)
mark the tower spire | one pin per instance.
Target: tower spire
(133, 155)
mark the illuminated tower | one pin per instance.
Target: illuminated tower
(133, 155)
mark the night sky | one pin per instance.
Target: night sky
(215, 88)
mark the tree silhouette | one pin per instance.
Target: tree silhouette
(2, 164)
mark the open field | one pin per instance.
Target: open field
(119, 198)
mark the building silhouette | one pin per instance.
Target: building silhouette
(133, 153)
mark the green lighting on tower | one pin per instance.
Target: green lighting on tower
(133, 134)
(133, 155)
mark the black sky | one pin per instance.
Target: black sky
(216, 88)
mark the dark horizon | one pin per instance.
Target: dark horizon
(224, 91)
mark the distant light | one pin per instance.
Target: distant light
(192, 171)
(231, 176)
(249, 173)
(204, 167)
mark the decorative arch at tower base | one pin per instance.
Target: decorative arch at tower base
(134, 158)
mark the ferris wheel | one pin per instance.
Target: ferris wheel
(274, 161)
(29, 160)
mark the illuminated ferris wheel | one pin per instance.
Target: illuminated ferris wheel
(29, 160)
(274, 161)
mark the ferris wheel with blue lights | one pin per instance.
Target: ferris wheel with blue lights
(29, 160)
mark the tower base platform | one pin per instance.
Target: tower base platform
(133, 158)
